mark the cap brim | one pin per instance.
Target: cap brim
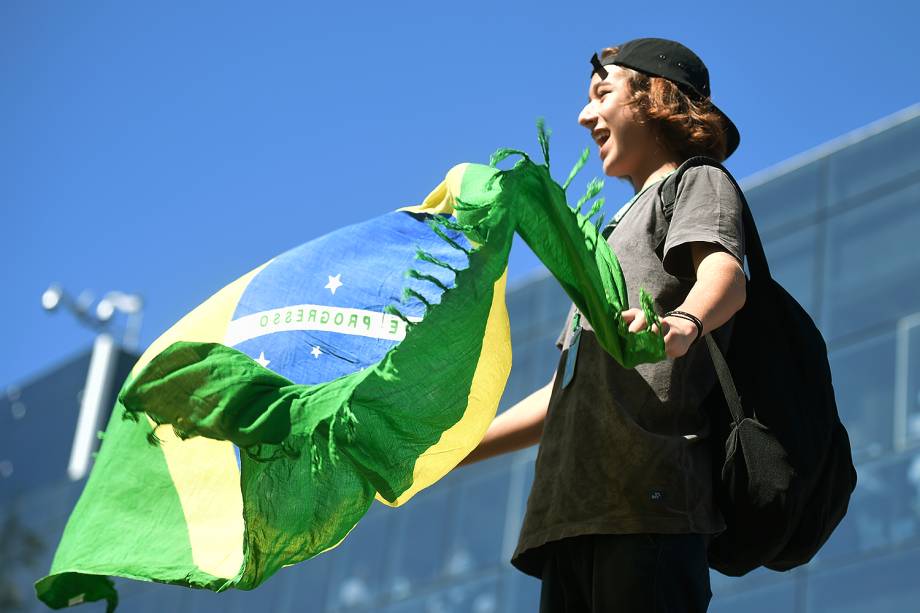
(732, 136)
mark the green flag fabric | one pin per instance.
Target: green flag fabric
(258, 430)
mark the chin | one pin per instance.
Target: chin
(611, 169)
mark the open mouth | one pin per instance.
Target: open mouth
(600, 137)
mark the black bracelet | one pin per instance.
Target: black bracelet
(693, 318)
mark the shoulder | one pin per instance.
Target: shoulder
(707, 181)
(705, 175)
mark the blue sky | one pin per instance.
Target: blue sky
(167, 148)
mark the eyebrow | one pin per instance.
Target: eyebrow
(597, 86)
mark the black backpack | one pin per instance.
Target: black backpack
(783, 471)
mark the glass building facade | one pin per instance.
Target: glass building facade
(839, 226)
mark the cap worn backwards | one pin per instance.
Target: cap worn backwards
(659, 57)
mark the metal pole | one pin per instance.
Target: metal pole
(94, 405)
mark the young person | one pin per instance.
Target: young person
(621, 505)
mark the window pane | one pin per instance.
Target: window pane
(408, 606)
(880, 159)
(910, 383)
(887, 585)
(794, 196)
(477, 597)
(30, 530)
(520, 310)
(546, 359)
(480, 596)
(523, 593)
(481, 506)
(863, 376)
(420, 545)
(761, 600)
(267, 597)
(523, 368)
(523, 468)
(514, 391)
(872, 270)
(537, 305)
(553, 303)
(45, 410)
(533, 363)
(358, 567)
(723, 585)
(302, 587)
(155, 599)
(521, 373)
(884, 510)
(202, 601)
(792, 264)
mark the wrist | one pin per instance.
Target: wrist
(681, 325)
(687, 323)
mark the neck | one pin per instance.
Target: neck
(655, 168)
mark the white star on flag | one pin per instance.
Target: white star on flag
(261, 360)
(334, 283)
(316, 352)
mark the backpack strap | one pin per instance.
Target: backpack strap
(757, 265)
(732, 398)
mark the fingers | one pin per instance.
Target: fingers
(635, 318)
(636, 322)
(629, 314)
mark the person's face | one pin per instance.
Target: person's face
(622, 141)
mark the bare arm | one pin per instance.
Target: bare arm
(518, 427)
(717, 294)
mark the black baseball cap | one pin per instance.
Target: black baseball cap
(659, 57)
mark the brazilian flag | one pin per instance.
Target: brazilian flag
(366, 364)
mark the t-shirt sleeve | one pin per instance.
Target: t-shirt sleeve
(708, 209)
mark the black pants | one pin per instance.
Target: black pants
(632, 573)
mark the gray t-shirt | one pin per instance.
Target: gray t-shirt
(626, 450)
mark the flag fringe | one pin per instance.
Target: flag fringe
(504, 153)
(392, 310)
(415, 274)
(594, 188)
(577, 168)
(543, 134)
(436, 226)
(427, 257)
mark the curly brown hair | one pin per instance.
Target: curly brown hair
(685, 126)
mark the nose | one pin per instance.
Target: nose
(587, 118)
